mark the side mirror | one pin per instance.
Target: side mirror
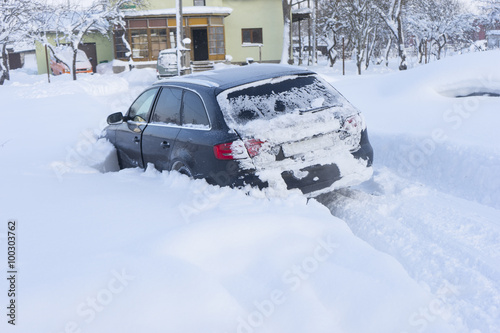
(115, 118)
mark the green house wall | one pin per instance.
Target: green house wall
(265, 14)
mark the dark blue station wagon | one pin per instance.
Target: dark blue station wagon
(273, 126)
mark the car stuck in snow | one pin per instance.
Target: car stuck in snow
(262, 125)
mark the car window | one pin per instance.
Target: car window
(269, 98)
(140, 108)
(193, 112)
(168, 107)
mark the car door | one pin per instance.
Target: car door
(129, 133)
(159, 137)
(194, 147)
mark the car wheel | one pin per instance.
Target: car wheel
(182, 169)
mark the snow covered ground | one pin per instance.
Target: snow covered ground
(415, 249)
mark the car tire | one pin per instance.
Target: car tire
(182, 169)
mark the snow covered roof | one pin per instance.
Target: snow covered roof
(21, 46)
(493, 32)
(197, 10)
(302, 11)
(299, 14)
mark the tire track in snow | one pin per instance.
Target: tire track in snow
(438, 238)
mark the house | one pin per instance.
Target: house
(493, 38)
(219, 30)
(20, 54)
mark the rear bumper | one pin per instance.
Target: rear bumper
(321, 177)
(318, 178)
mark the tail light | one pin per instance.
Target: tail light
(253, 147)
(237, 149)
(354, 123)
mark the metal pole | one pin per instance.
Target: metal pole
(426, 51)
(300, 45)
(343, 55)
(179, 34)
(290, 56)
(315, 42)
(309, 32)
(47, 60)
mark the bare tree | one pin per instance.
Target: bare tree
(359, 26)
(437, 22)
(14, 18)
(73, 22)
(357, 22)
(330, 27)
(392, 14)
(490, 12)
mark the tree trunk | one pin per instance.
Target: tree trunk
(5, 64)
(387, 51)
(421, 51)
(359, 60)
(332, 56)
(2, 77)
(440, 46)
(331, 53)
(401, 44)
(369, 48)
(73, 65)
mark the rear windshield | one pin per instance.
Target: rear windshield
(269, 98)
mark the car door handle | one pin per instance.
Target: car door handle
(137, 139)
(165, 144)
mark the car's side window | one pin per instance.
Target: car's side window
(193, 111)
(140, 108)
(168, 107)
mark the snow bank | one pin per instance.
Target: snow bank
(434, 200)
(419, 128)
(200, 259)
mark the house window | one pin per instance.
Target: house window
(121, 49)
(216, 40)
(199, 2)
(145, 37)
(173, 36)
(140, 46)
(253, 36)
(158, 41)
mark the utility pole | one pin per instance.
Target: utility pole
(47, 62)
(179, 34)
(309, 33)
(315, 42)
(290, 55)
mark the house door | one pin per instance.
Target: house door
(200, 44)
(91, 52)
(15, 61)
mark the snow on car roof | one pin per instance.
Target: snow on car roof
(226, 78)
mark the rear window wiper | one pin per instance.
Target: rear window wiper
(320, 108)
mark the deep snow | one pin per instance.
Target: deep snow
(415, 249)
